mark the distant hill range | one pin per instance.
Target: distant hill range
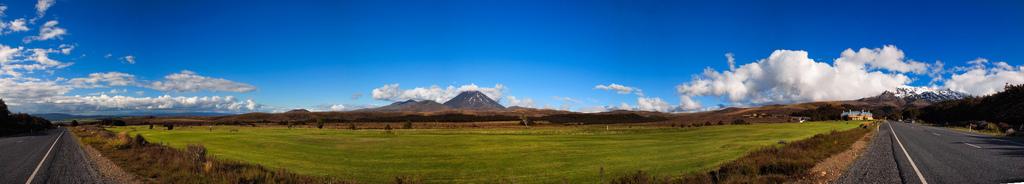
(915, 96)
(62, 116)
(465, 101)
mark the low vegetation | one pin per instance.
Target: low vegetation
(155, 163)
(543, 154)
(785, 163)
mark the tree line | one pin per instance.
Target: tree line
(1003, 107)
(13, 123)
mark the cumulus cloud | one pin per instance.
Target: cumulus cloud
(788, 76)
(652, 104)
(620, 89)
(47, 32)
(25, 90)
(41, 96)
(984, 78)
(888, 57)
(130, 59)
(392, 92)
(524, 102)
(688, 104)
(105, 103)
(189, 81)
(97, 80)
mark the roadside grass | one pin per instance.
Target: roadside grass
(989, 132)
(575, 154)
(154, 163)
(774, 164)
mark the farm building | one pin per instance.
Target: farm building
(857, 115)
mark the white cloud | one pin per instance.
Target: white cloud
(788, 76)
(888, 57)
(16, 25)
(188, 81)
(47, 32)
(14, 61)
(66, 48)
(8, 53)
(41, 96)
(130, 59)
(731, 60)
(980, 79)
(42, 6)
(652, 104)
(392, 92)
(525, 102)
(97, 80)
(620, 89)
(102, 103)
(25, 90)
(688, 104)
(42, 56)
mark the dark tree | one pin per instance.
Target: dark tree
(74, 122)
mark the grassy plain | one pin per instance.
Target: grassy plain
(577, 154)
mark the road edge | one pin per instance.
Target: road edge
(109, 172)
(833, 167)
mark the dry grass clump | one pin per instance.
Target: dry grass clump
(155, 163)
(777, 164)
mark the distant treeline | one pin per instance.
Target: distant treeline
(439, 118)
(369, 117)
(20, 122)
(601, 118)
(1003, 107)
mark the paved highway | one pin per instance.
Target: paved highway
(911, 153)
(53, 156)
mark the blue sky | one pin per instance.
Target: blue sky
(314, 54)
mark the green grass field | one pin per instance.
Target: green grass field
(537, 155)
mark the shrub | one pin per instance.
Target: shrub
(197, 154)
(74, 122)
(352, 126)
(139, 141)
(320, 123)
(740, 122)
(387, 127)
(407, 125)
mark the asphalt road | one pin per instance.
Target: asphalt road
(936, 155)
(20, 156)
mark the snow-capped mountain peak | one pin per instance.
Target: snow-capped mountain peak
(929, 94)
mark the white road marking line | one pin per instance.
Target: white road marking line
(975, 146)
(933, 133)
(919, 176)
(33, 176)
